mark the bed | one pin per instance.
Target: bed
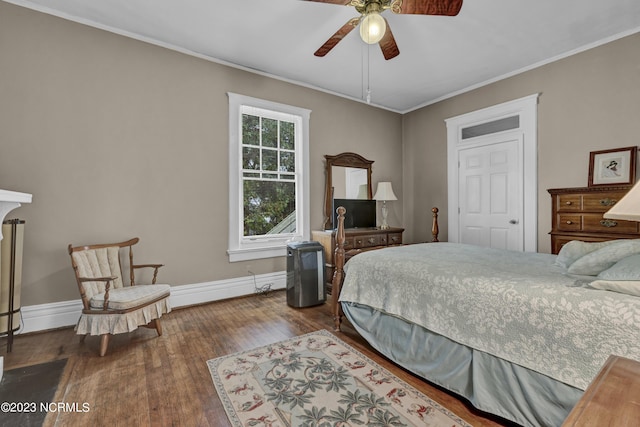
(519, 335)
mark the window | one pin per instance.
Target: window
(494, 126)
(268, 181)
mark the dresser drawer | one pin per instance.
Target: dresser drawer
(349, 243)
(557, 242)
(395, 238)
(569, 203)
(367, 241)
(598, 224)
(600, 202)
(568, 222)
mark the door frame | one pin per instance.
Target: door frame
(526, 109)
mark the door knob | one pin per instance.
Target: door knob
(513, 221)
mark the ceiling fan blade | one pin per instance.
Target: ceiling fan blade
(388, 44)
(339, 35)
(427, 7)
(343, 2)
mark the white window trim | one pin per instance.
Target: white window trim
(240, 248)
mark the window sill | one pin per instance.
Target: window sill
(247, 254)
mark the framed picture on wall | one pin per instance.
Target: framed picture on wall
(612, 167)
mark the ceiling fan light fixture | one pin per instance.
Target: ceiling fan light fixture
(372, 28)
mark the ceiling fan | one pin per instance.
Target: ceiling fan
(374, 27)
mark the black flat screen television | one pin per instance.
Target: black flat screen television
(360, 213)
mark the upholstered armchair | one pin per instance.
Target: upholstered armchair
(109, 306)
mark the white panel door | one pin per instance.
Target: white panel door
(490, 193)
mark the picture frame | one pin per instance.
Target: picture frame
(613, 167)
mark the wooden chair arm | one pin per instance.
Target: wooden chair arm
(155, 271)
(107, 285)
(97, 279)
(147, 265)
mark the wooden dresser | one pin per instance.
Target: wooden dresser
(611, 399)
(577, 215)
(357, 240)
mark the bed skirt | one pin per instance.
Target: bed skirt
(490, 384)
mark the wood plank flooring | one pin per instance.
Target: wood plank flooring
(146, 380)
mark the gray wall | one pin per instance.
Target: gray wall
(589, 101)
(116, 138)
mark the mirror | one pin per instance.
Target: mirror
(348, 176)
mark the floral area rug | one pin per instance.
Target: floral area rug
(317, 380)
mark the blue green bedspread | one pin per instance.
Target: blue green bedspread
(517, 306)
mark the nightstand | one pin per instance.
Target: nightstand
(612, 399)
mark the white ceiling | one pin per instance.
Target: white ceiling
(439, 56)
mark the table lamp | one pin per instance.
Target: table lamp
(384, 193)
(627, 208)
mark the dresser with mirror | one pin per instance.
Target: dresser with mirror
(348, 176)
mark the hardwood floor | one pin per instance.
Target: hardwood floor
(164, 381)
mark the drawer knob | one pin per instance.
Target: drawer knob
(607, 202)
(372, 239)
(608, 223)
(568, 202)
(569, 222)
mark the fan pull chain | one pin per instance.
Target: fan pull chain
(368, 75)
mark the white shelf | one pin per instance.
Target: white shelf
(9, 200)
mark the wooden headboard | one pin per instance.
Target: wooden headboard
(340, 257)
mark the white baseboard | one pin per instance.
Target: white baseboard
(223, 289)
(66, 313)
(50, 316)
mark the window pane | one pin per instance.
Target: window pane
(287, 135)
(250, 130)
(270, 133)
(250, 158)
(287, 161)
(495, 126)
(269, 160)
(269, 207)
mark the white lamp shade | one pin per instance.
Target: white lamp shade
(372, 28)
(384, 192)
(627, 208)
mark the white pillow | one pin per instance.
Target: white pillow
(575, 249)
(629, 287)
(626, 269)
(601, 259)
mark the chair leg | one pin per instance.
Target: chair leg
(104, 343)
(82, 337)
(158, 326)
